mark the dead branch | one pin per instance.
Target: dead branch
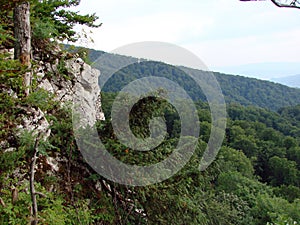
(33, 193)
(2, 202)
(41, 194)
(291, 5)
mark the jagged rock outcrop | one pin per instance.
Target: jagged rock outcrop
(78, 86)
(86, 91)
(71, 81)
(82, 88)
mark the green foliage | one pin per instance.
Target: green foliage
(233, 160)
(247, 189)
(11, 73)
(283, 220)
(283, 171)
(51, 21)
(273, 209)
(62, 130)
(5, 35)
(290, 192)
(9, 160)
(17, 213)
(41, 99)
(60, 21)
(43, 29)
(227, 193)
(10, 100)
(8, 116)
(236, 89)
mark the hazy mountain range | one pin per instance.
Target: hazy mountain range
(292, 81)
(281, 72)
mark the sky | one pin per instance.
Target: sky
(227, 35)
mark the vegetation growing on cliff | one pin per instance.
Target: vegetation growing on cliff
(254, 180)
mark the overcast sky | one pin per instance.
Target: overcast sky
(220, 32)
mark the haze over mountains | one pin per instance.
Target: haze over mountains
(291, 81)
(280, 72)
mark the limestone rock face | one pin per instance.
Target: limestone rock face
(81, 89)
(86, 92)
(72, 82)
(77, 85)
(33, 120)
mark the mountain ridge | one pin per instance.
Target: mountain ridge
(291, 81)
(264, 70)
(236, 88)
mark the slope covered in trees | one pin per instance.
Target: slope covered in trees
(238, 89)
(254, 180)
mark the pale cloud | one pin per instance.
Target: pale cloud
(220, 32)
(275, 47)
(158, 27)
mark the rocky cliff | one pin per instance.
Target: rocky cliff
(78, 85)
(37, 143)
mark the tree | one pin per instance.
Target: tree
(56, 21)
(283, 171)
(22, 34)
(18, 26)
(49, 18)
(232, 160)
(36, 23)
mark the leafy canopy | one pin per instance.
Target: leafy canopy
(49, 19)
(61, 20)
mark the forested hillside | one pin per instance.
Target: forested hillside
(254, 180)
(238, 89)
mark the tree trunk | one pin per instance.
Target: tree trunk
(22, 34)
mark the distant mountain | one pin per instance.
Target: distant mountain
(264, 71)
(291, 81)
(236, 89)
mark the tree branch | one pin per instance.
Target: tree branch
(2, 203)
(33, 193)
(292, 5)
(41, 194)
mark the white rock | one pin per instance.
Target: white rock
(53, 163)
(46, 85)
(10, 149)
(34, 120)
(86, 92)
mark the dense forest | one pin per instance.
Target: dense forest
(238, 89)
(255, 178)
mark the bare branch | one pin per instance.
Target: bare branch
(289, 4)
(33, 193)
(2, 202)
(41, 194)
